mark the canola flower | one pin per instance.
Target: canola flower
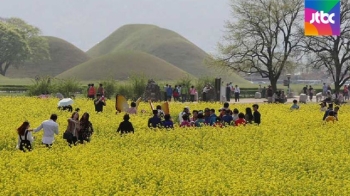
(290, 153)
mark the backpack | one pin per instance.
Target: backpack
(25, 144)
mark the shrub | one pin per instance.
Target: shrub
(110, 87)
(41, 86)
(67, 87)
(138, 85)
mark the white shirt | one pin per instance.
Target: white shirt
(50, 129)
(29, 138)
(237, 90)
(205, 89)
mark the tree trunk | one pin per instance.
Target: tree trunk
(273, 85)
(3, 68)
(337, 86)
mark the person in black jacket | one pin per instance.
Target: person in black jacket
(125, 126)
(256, 114)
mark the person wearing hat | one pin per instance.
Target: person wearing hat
(99, 103)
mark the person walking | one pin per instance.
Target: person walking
(50, 128)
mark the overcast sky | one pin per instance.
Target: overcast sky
(86, 22)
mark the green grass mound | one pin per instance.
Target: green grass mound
(164, 44)
(63, 57)
(122, 65)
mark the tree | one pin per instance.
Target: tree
(332, 52)
(263, 37)
(20, 42)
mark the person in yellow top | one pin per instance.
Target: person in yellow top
(331, 117)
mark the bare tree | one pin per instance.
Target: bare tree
(263, 37)
(332, 52)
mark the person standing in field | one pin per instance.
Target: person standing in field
(311, 92)
(165, 89)
(205, 92)
(184, 92)
(256, 114)
(269, 94)
(99, 103)
(193, 92)
(91, 92)
(228, 92)
(237, 93)
(85, 130)
(169, 92)
(50, 128)
(125, 126)
(101, 90)
(73, 129)
(25, 137)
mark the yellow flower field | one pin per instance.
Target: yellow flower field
(291, 153)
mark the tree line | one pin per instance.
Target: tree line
(267, 36)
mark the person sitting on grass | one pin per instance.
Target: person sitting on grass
(167, 123)
(295, 105)
(218, 123)
(240, 120)
(213, 117)
(235, 114)
(200, 122)
(125, 126)
(155, 121)
(227, 118)
(132, 109)
(330, 117)
(185, 122)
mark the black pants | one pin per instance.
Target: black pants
(165, 96)
(192, 98)
(72, 140)
(236, 97)
(48, 145)
(204, 96)
(228, 97)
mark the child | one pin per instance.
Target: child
(200, 121)
(330, 117)
(132, 109)
(185, 122)
(227, 118)
(218, 123)
(155, 121)
(240, 120)
(295, 105)
(167, 123)
(235, 114)
(125, 126)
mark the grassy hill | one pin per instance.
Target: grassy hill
(164, 44)
(63, 57)
(121, 65)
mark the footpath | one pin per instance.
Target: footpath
(262, 100)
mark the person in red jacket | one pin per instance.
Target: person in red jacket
(91, 92)
(240, 120)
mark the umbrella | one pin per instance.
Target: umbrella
(65, 102)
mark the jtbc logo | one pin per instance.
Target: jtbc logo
(316, 17)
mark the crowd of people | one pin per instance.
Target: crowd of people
(206, 117)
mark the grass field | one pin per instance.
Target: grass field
(290, 153)
(122, 65)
